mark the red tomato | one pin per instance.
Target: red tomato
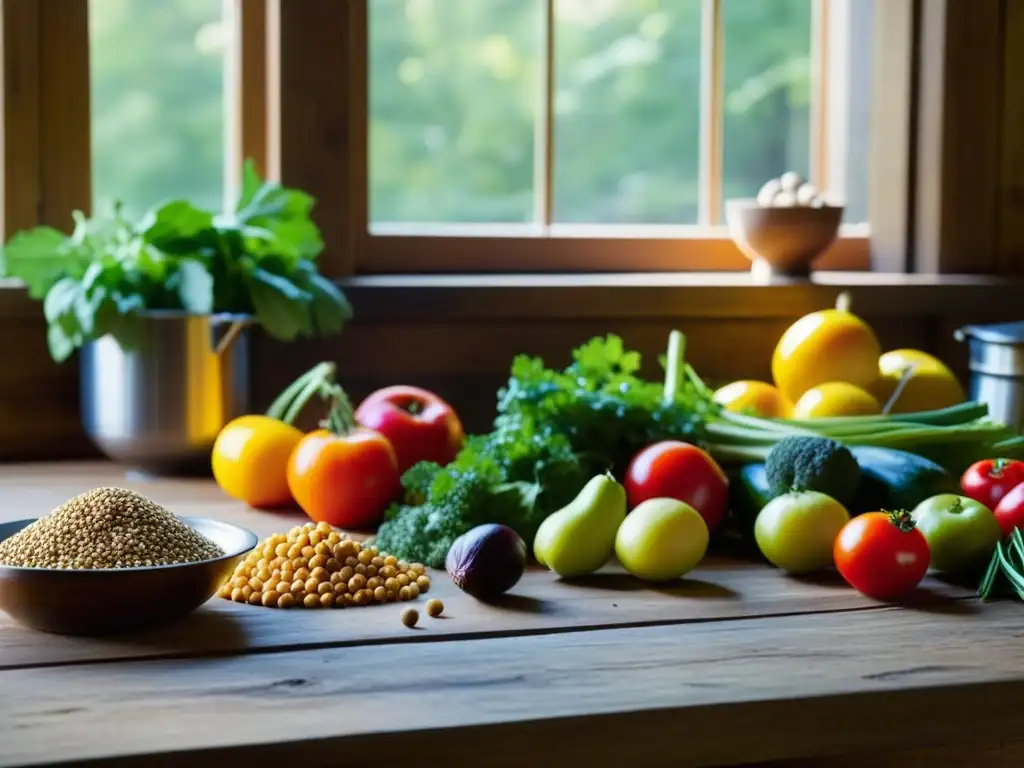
(676, 470)
(420, 425)
(346, 479)
(989, 480)
(882, 554)
(1009, 511)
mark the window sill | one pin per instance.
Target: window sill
(704, 295)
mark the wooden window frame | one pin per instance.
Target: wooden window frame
(540, 247)
(300, 78)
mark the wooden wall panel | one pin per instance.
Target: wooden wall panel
(1011, 188)
(959, 121)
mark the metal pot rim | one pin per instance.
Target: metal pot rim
(181, 314)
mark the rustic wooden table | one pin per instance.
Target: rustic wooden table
(737, 665)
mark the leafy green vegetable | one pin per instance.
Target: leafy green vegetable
(259, 260)
(553, 431)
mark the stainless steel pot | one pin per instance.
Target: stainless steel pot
(997, 369)
(159, 405)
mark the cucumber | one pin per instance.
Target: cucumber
(749, 492)
(892, 479)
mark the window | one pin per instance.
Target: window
(458, 135)
(607, 118)
(158, 117)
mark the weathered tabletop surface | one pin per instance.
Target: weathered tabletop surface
(735, 665)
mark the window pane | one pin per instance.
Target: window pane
(454, 89)
(860, 60)
(157, 101)
(627, 106)
(767, 92)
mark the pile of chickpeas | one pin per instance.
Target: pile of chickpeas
(316, 566)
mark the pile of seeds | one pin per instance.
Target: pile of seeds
(107, 528)
(315, 566)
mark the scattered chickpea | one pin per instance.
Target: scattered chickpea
(434, 608)
(410, 616)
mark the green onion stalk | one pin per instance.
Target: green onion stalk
(953, 437)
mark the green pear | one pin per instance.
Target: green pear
(580, 537)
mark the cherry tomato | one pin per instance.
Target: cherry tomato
(345, 478)
(1009, 511)
(419, 424)
(989, 480)
(882, 554)
(250, 460)
(676, 470)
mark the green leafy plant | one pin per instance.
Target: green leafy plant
(259, 260)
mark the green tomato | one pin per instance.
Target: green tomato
(661, 540)
(796, 531)
(961, 532)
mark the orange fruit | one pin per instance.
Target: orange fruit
(826, 346)
(835, 398)
(931, 387)
(754, 397)
(250, 460)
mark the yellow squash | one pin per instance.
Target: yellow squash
(835, 398)
(931, 385)
(832, 345)
(755, 397)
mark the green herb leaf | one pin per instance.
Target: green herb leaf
(282, 309)
(331, 309)
(195, 287)
(37, 257)
(174, 226)
(251, 183)
(62, 344)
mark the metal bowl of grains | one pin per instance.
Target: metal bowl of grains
(111, 561)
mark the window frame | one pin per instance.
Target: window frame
(306, 126)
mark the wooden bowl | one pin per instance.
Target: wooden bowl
(782, 241)
(99, 602)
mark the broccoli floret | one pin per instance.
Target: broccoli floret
(813, 464)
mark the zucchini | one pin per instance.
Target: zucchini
(749, 492)
(892, 479)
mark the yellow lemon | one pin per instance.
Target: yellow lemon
(825, 346)
(931, 386)
(835, 398)
(756, 397)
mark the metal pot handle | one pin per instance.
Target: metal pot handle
(224, 330)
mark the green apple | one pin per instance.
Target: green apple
(797, 531)
(961, 532)
(661, 539)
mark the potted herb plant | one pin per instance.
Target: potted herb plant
(160, 309)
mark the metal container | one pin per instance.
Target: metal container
(158, 405)
(997, 369)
